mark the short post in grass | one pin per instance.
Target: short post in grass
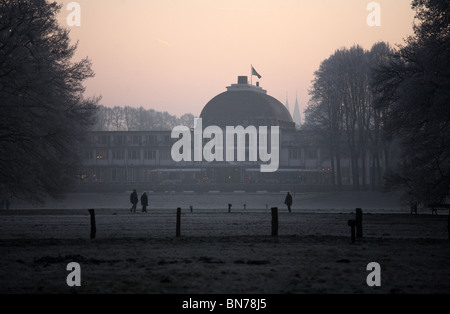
(229, 208)
(274, 221)
(359, 218)
(93, 227)
(178, 232)
(352, 224)
(448, 226)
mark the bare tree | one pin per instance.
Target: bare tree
(117, 119)
(413, 90)
(43, 114)
(342, 111)
(138, 119)
(380, 54)
(131, 118)
(103, 120)
(325, 113)
(187, 120)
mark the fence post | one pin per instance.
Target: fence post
(274, 221)
(413, 207)
(359, 217)
(229, 208)
(178, 233)
(448, 226)
(352, 224)
(93, 227)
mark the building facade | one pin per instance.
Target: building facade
(144, 157)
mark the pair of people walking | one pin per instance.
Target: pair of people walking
(134, 201)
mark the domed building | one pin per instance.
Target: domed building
(145, 158)
(245, 104)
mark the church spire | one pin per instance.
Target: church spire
(297, 119)
(287, 103)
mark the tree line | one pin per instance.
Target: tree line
(343, 114)
(128, 118)
(363, 101)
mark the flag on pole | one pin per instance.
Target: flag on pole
(255, 73)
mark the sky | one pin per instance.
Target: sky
(176, 55)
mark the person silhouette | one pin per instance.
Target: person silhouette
(288, 201)
(144, 202)
(134, 201)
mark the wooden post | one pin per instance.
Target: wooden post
(229, 208)
(178, 221)
(413, 208)
(352, 224)
(359, 217)
(274, 221)
(448, 226)
(93, 227)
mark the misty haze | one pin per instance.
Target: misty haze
(197, 147)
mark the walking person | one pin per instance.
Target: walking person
(134, 200)
(288, 201)
(144, 202)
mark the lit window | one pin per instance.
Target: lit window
(102, 154)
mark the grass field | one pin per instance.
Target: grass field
(220, 252)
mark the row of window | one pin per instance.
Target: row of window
(129, 139)
(119, 154)
(142, 139)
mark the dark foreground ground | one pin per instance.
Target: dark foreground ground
(221, 253)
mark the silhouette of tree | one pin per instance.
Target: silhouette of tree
(325, 112)
(138, 119)
(43, 114)
(412, 88)
(342, 112)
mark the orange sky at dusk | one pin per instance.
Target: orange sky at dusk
(175, 55)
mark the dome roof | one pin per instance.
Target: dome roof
(246, 106)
